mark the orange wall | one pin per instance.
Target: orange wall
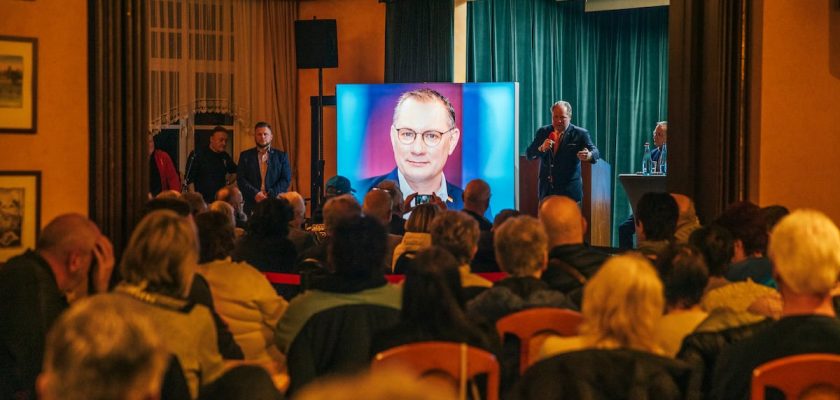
(800, 106)
(361, 59)
(59, 149)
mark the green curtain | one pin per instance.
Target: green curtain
(612, 66)
(419, 41)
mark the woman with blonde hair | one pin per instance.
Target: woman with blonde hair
(622, 304)
(616, 355)
(157, 268)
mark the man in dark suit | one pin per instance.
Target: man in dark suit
(561, 147)
(423, 135)
(263, 171)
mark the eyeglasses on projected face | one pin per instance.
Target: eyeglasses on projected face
(430, 138)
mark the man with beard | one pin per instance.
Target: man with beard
(263, 171)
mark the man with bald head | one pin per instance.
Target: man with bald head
(36, 286)
(571, 262)
(233, 196)
(477, 201)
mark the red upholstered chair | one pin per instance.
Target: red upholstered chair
(457, 360)
(793, 374)
(535, 321)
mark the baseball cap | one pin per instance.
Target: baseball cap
(339, 185)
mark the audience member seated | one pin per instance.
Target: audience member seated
(656, 222)
(805, 250)
(336, 210)
(157, 268)
(684, 274)
(196, 202)
(476, 202)
(749, 229)
(416, 236)
(265, 244)
(227, 210)
(522, 251)
(242, 382)
(102, 349)
(302, 239)
(687, 221)
(242, 295)
(485, 257)
(622, 305)
(335, 186)
(432, 306)
(34, 290)
(377, 204)
(458, 233)
(727, 302)
(396, 225)
(328, 329)
(571, 262)
(616, 354)
(231, 195)
(199, 289)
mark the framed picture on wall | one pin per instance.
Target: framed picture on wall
(20, 211)
(18, 84)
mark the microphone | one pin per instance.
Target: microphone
(553, 137)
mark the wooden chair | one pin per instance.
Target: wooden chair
(457, 360)
(535, 321)
(793, 374)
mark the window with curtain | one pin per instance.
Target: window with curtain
(612, 66)
(230, 57)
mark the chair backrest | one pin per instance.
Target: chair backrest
(534, 321)
(793, 374)
(458, 360)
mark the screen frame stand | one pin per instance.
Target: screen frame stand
(317, 104)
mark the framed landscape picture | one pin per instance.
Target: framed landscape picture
(20, 211)
(18, 84)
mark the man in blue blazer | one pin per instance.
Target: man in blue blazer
(263, 171)
(561, 147)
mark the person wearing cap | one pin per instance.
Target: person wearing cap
(423, 136)
(263, 171)
(336, 186)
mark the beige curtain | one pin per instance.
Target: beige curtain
(232, 57)
(265, 73)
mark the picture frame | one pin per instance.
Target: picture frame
(20, 212)
(18, 84)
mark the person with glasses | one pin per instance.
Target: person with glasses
(423, 136)
(561, 147)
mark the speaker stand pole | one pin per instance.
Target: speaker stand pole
(318, 148)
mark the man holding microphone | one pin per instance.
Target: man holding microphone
(561, 147)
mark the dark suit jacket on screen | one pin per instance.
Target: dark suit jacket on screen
(455, 193)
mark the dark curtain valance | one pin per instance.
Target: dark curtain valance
(419, 41)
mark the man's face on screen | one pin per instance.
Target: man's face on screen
(421, 159)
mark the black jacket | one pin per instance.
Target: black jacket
(582, 258)
(701, 349)
(607, 374)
